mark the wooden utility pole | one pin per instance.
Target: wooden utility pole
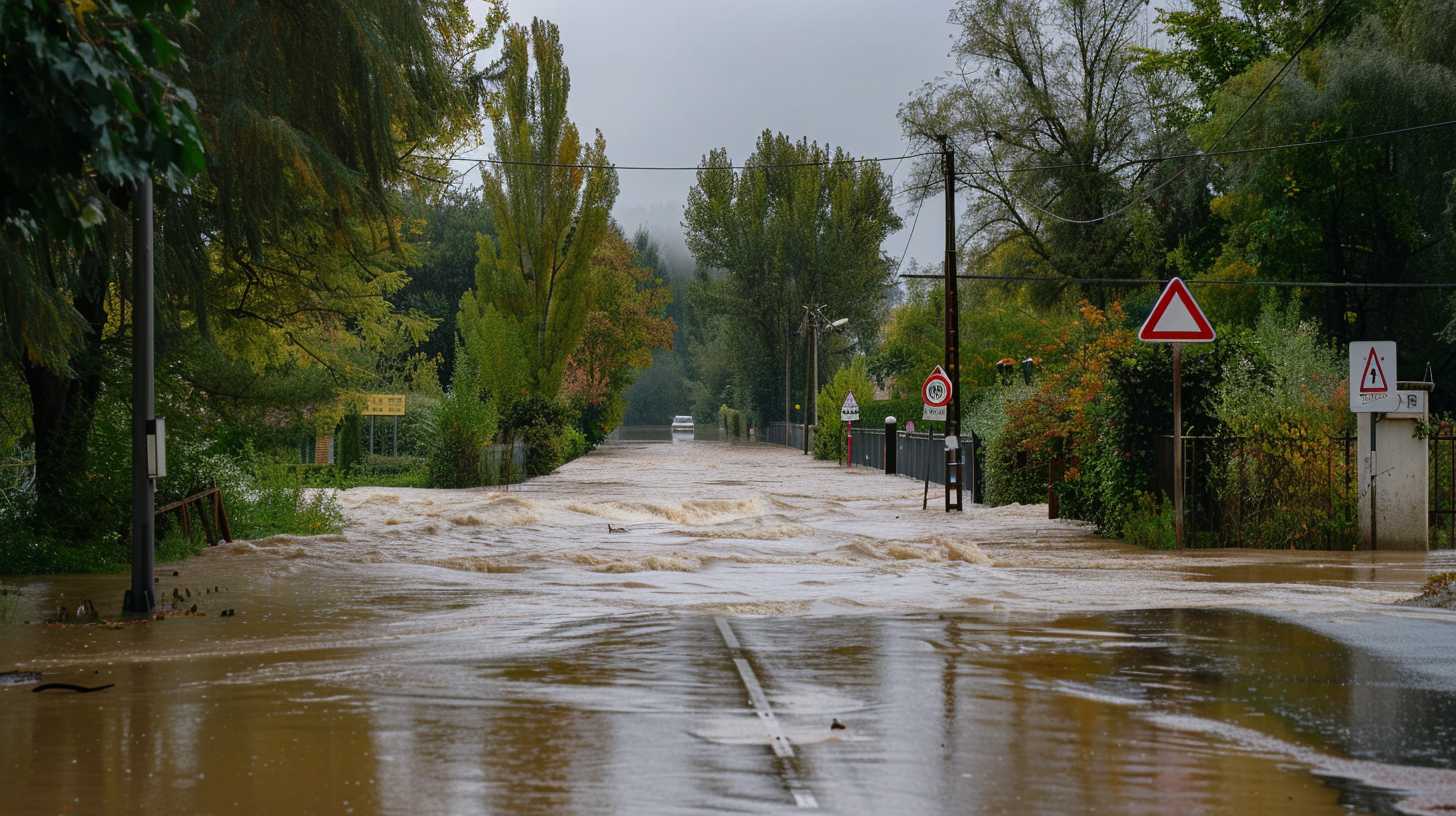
(810, 332)
(139, 599)
(788, 417)
(953, 456)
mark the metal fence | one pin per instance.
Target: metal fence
(789, 434)
(917, 455)
(1443, 485)
(503, 464)
(1266, 491)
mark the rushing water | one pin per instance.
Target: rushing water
(561, 647)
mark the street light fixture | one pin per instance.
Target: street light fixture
(817, 322)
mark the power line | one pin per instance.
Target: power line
(1232, 151)
(571, 166)
(919, 205)
(1206, 282)
(1197, 154)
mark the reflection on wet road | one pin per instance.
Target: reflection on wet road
(503, 653)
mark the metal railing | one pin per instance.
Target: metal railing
(915, 453)
(1266, 491)
(786, 433)
(503, 464)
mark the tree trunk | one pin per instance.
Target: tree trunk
(63, 409)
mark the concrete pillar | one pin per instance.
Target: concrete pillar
(1402, 481)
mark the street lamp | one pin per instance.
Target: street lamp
(816, 321)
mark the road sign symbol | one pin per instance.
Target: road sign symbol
(1373, 376)
(849, 411)
(1176, 318)
(935, 392)
(1372, 379)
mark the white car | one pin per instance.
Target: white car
(682, 423)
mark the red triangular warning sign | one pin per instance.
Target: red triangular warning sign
(1176, 318)
(1372, 380)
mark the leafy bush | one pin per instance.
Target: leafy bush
(540, 424)
(1283, 399)
(464, 422)
(573, 444)
(731, 419)
(349, 448)
(1149, 523)
(872, 413)
(829, 429)
(262, 498)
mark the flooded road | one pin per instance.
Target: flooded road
(513, 652)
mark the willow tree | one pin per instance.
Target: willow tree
(549, 196)
(280, 255)
(89, 108)
(800, 224)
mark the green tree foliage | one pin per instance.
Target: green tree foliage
(465, 420)
(549, 199)
(281, 255)
(1050, 120)
(626, 324)
(1213, 41)
(1367, 210)
(89, 107)
(447, 228)
(828, 428)
(996, 322)
(801, 224)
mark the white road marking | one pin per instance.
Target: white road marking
(782, 748)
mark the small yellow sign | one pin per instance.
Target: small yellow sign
(383, 405)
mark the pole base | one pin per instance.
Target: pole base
(131, 605)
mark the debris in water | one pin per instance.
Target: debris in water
(19, 678)
(1438, 593)
(612, 528)
(837, 726)
(71, 687)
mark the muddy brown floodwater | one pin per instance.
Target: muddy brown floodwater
(766, 634)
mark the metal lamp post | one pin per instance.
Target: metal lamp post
(816, 321)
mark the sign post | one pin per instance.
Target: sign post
(936, 394)
(1177, 319)
(849, 413)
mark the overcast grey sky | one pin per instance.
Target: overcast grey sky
(666, 80)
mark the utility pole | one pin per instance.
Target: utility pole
(953, 456)
(788, 417)
(809, 334)
(139, 599)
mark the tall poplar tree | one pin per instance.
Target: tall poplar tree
(549, 197)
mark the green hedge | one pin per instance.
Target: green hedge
(732, 421)
(872, 413)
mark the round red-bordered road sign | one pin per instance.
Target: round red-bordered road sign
(936, 389)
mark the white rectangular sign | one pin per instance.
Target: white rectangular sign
(936, 412)
(1373, 377)
(849, 411)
